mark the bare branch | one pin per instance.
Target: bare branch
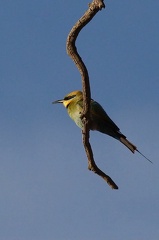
(94, 7)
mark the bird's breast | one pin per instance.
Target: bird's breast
(75, 113)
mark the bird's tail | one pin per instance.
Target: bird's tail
(132, 147)
(128, 144)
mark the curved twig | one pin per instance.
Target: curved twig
(94, 7)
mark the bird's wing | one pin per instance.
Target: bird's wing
(99, 114)
(100, 119)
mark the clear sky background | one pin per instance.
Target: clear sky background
(46, 191)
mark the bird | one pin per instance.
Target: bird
(99, 119)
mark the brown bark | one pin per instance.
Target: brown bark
(93, 8)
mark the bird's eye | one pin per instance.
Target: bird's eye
(69, 97)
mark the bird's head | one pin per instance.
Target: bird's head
(75, 95)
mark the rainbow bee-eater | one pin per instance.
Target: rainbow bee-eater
(99, 119)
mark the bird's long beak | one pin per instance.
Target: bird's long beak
(58, 101)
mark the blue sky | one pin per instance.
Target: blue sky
(46, 191)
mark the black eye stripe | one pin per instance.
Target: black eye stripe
(69, 97)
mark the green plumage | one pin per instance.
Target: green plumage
(99, 119)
